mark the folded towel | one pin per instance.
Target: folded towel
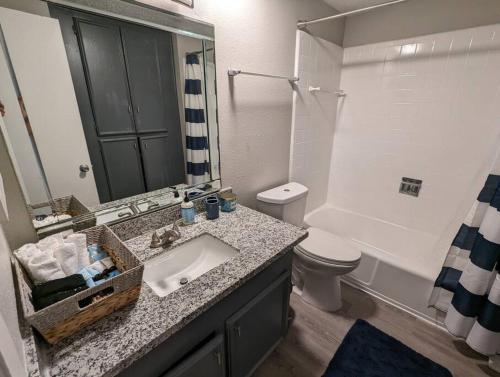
(43, 302)
(25, 253)
(80, 242)
(96, 253)
(57, 285)
(49, 244)
(67, 256)
(43, 267)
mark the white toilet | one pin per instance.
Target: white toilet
(321, 259)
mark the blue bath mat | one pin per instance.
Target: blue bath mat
(368, 352)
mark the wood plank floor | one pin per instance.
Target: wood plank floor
(315, 336)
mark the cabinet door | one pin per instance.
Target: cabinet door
(256, 329)
(106, 75)
(208, 361)
(123, 166)
(163, 165)
(151, 75)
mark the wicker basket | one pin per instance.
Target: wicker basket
(66, 317)
(82, 217)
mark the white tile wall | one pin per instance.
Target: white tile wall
(426, 108)
(318, 64)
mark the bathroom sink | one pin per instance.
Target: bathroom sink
(173, 269)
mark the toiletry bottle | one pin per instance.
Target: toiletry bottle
(187, 210)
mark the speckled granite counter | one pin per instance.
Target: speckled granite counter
(112, 344)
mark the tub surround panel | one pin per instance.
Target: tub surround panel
(318, 64)
(110, 345)
(425, 108)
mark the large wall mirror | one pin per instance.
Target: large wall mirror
(105, 117)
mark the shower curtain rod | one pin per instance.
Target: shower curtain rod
(302, 24)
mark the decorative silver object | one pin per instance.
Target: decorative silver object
(167, 238)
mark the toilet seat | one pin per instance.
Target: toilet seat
(328, 248)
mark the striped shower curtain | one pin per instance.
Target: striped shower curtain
(197, 154)
(468, 287)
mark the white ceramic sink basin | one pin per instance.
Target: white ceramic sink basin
(169, 271)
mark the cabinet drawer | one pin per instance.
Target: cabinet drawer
(209, 360)
(257, 328)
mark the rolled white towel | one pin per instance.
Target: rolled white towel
(67, 257)
(80, 242)
(25, 253)
(43, 267)
(50, 243)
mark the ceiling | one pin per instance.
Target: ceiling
(347, 5)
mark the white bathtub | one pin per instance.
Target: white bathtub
(399, 265)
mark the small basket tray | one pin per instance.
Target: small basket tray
(67, 316)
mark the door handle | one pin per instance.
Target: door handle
(145, 145)
(84, 168)
(138, 109)
(130, 109)
(237, 330)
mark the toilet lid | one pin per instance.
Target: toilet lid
(329, 247)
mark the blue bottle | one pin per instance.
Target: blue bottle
(187, 210)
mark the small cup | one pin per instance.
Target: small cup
(227, 202)
(212, 207)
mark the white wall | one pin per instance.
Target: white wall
(419, 17)
(424, 108)
(318, 64)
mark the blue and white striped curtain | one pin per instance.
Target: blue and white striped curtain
(468, 287)
(197, 154)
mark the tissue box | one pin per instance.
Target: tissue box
(66, 317)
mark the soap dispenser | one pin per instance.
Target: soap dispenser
(187, 210)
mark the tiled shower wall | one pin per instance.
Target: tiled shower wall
(425, 108)
(317, 64)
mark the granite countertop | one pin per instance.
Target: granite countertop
(110, 345)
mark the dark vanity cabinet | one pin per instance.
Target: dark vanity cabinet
(125, 84)
(233, 337)
(256, 329)
(208, 361)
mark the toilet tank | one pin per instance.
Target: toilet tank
(286, 202)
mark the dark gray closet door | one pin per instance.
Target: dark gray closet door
(106, 74)
(151, 74)
(161, 167)
(256, 329)
(123, 166)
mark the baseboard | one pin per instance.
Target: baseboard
(436, 322)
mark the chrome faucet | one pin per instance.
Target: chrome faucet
(167, 238)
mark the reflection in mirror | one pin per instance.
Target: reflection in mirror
(126, 117)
